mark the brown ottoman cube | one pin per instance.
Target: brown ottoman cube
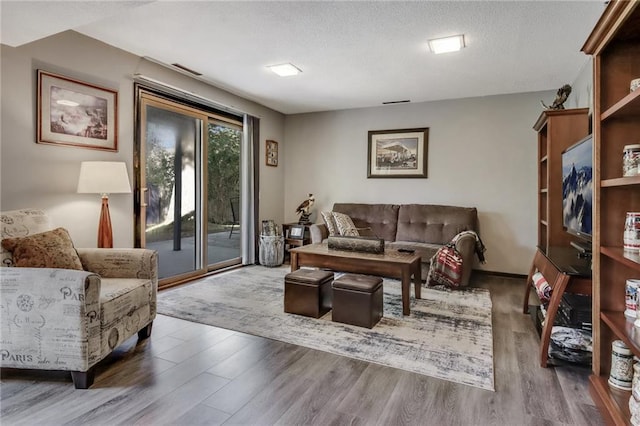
(308, 292)
(357, 300)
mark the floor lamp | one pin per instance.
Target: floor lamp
(104, 177)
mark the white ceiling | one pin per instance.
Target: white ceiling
(352, 53)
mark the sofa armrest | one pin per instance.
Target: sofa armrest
(319, 233)
(466, 246)
(51, 318)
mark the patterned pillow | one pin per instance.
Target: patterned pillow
(20, 223)
(330, 222)
(345, 225)
(50, 249)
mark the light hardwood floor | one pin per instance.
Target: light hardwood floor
(193, 374)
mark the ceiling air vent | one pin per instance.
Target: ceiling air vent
(183, 68)
(396, 102)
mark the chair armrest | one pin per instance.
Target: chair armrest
(466, 246)
(120, 263)
(123, 263)
(55, 318)
(319, 233)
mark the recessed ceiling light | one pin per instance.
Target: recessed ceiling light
(285, 70)
(447, 44)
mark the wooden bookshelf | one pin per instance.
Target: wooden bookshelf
(557, 130)
(615, 47)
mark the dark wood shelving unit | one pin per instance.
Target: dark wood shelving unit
(557, 130)
(615, 46)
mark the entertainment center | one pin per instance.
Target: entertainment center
(557, 131)
(564, 214)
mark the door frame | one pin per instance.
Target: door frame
(147, 96)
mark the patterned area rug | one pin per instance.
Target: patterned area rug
(447, 336)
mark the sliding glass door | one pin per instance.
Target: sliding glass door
(190, 188)
(223, 191)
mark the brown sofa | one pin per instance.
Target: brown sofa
(420, 227)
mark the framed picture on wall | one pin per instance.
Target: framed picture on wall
(76, 113)
(398, 153)
(272, 153)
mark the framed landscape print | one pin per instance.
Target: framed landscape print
(398, 153)
(272, 153)
(75, 113)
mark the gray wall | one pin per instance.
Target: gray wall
(582, 88)
(45, 176)
(482, 153)
(481, 150)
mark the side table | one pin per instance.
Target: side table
(290, 243)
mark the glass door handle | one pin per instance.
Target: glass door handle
(143, 197)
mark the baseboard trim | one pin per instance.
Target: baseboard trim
(499, 274)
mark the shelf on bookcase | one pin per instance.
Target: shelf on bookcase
(625, 107)
(632, 260)
(616, 400)
(623, 329)
(621, 181)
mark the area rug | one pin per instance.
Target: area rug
(448, 334)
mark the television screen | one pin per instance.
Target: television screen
(577, 188)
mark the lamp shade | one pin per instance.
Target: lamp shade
(103, 177)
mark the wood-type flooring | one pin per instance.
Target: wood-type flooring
(194, 374)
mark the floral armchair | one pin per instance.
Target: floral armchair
(66, 308)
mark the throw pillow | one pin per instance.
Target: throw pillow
(20, 223)
(330, 222)
(345, 225)
(50, 249)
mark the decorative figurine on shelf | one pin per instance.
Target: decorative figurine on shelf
(304, 210)
(561, 97)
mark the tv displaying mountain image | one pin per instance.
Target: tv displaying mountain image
(577, 188)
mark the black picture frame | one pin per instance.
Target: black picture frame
(296, 232)
(399, 153)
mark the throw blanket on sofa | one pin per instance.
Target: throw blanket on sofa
(446, 265)
(480, 248)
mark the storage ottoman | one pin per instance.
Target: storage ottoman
(357, 300)
(308, 292)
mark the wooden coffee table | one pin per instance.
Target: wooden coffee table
(392, 264)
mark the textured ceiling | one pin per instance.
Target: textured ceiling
(352, 53)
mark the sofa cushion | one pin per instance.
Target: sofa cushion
(21, 223)
(382, 219)
(330, 223)
(50, 249)
(434, 224)
(345, 225)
